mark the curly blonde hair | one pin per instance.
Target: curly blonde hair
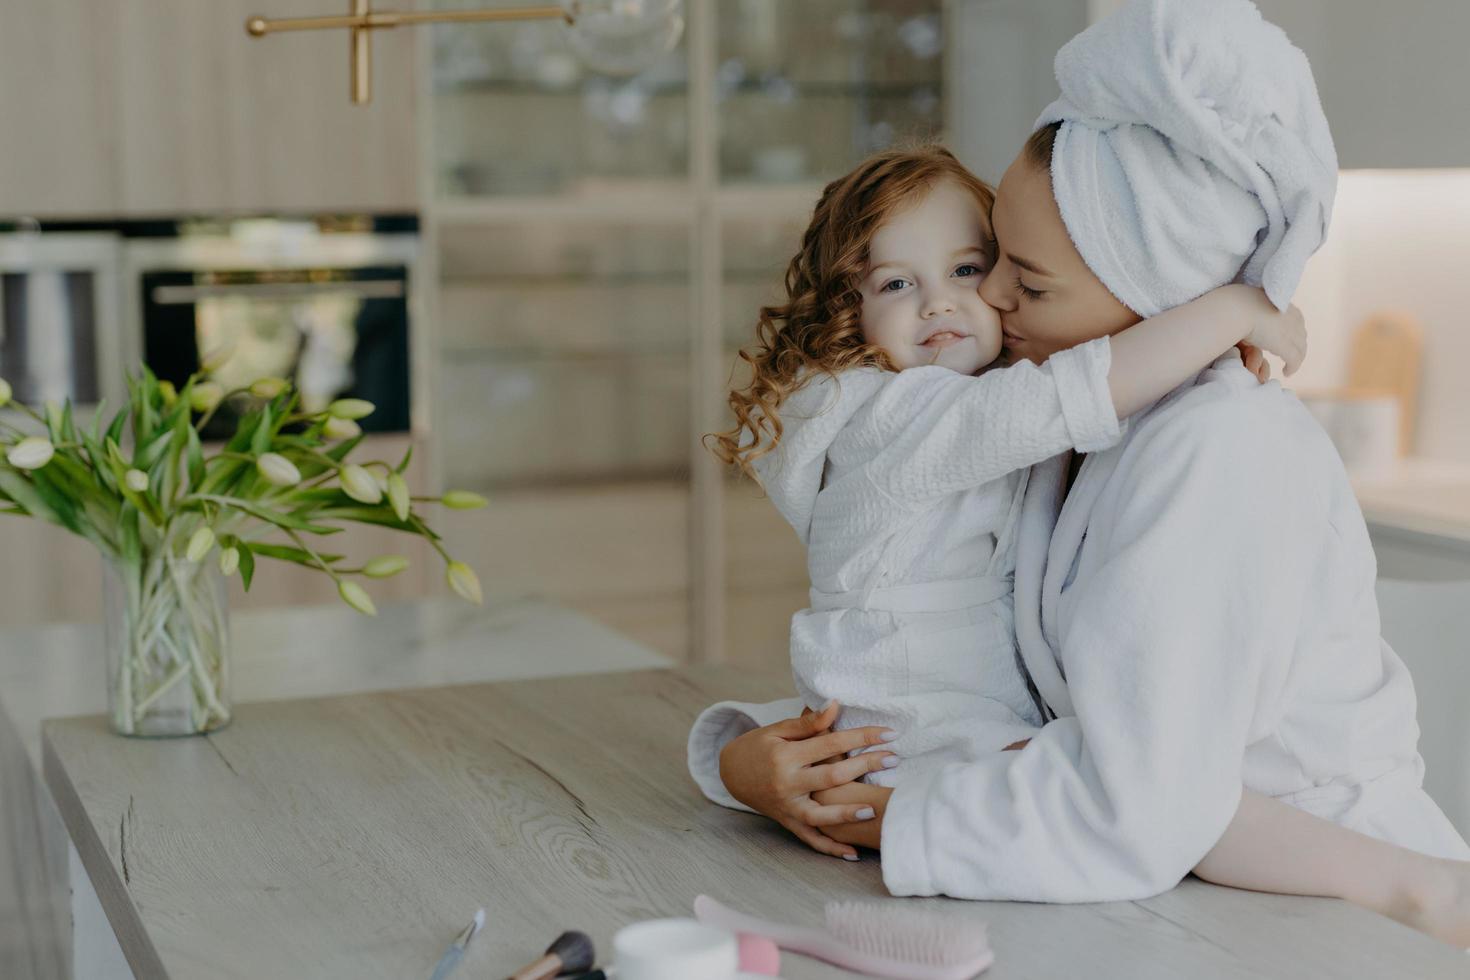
(818, 329)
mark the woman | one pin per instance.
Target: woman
(1195, 606)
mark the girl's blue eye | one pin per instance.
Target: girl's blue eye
(893, 285)
(969, 269)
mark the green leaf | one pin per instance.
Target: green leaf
(278, 518)
(130, 543)
(145, 457)
(18, 489)
(408, 455)
(245, 432)
(283, 552)
(194, 456)
(97, 415)
(57, 500)
(115, 430)
(247, 567)
(261, 441)
(339, 452)
(178, 439)
(68, 427)
(381, 516)
(142, 502)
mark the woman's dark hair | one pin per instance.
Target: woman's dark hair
(1039, 146)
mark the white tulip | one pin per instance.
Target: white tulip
(229, 561)
(339, 429)
(204, 396)
(359, 484)
(463, 500)
(136, 480)
(385, 566)
(31, 453)
(199, 544)
(5, 392)
(268, 387)
(463, 580)
(356, 597)
(278, 470)
(169, 392)
(215, 359)
(398, 496)
(350, 408)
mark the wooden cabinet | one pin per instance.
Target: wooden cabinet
(142, 107)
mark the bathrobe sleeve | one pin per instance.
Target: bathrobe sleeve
(1175, 637)
(936, 432)
(717, 725)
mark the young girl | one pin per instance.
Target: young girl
(881, 426)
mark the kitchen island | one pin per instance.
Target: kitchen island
(352, 836)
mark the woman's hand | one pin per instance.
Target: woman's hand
(775, 770)
(1255, 362)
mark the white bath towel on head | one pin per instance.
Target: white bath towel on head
(1193, 151)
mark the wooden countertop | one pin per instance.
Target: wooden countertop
(353, 836)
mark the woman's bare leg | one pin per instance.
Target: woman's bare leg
(1272, 846)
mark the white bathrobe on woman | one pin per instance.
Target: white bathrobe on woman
(906, 489)
(1198, 614)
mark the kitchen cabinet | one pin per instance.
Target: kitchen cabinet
(145, 107)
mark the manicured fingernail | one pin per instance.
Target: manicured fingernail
(866, 813)
(888, 736)
(850, 857)
(889, 761)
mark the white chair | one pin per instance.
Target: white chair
(1428, 625)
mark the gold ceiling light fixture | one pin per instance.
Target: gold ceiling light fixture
(617, 37)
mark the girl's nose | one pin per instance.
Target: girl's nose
(938, 303)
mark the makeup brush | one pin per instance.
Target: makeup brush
(571, 952)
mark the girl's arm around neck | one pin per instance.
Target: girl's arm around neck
(1157, 355)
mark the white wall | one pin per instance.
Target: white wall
(1400, 240)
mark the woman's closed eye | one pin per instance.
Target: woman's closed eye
(1027, 291)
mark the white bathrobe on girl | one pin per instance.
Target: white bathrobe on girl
(906, 489)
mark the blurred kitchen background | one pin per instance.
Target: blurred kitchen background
(541, 273)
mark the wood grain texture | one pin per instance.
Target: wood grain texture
(352, 836)
(286, 653)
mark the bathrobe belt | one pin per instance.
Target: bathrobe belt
(920, 597)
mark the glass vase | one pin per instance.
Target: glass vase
(166, 630)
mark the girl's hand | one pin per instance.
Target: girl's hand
(1283, 333)
(775, 770)
(867, 833)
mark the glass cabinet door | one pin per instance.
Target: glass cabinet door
(805, 91)
(808, 89)
(565, 219)
(517, 113)
(562, 229)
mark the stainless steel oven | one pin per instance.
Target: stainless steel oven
(325, 306)
(59, 317)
